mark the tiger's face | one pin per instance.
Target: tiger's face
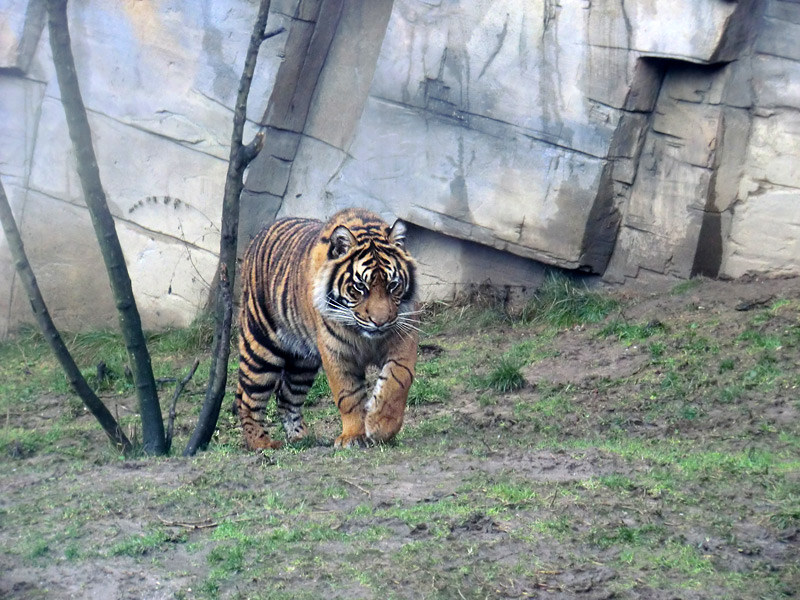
(370, 286)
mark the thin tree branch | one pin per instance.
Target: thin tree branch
(273, 33)
(229, 231)
(175, 396)
(218, 375)
(234, 181)
(105, 229)
(251, 150)
(51, 334)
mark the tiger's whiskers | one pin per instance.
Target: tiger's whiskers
(338, 312)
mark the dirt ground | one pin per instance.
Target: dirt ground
(652, 455)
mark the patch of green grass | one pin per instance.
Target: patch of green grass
(562, 303)
(544, 415)
(427, 390)
(764, 373)
(552, 405)
(511, 493)
(666, 560)
(557, 527)
(677, 555)
(190, 341)
(28, 371)
(35, 548)
(673, 458)
(685, 286)
(336, 492)
(432, 383)
(779, 304)
(680, 377)
(784, 498)
(72, 551)
(505, 377)
(245, 545)
(441, 317)
(657, 349)
(91, 349)
(228, 557)
(730, 393)
(91, 346)
(786, 517)
(633, 332)
(319, 389)
(139, 545)
(437, 378)
(437, 511)
(617, 535)
(692, 344)
(108, 347)
(618, 482)
(689, 412)
(531, 350)
(485, 400)
(20, 442)
(435, 427)
(16, 441)
(760, 341)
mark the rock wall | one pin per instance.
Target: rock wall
(630, 138)
(159, 81)
(626, 139)
(716, 187)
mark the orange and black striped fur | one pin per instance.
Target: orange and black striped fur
(338, 295)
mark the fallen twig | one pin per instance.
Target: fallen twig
(553, 499)
(205, 524)
(189, 525)
(355, 485)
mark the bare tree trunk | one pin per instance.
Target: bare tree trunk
(40, 312)
(130, 322)
(240, 157)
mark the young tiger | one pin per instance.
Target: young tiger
(338, 295)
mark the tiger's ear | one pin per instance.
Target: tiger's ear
(341, 242)
(397, 234)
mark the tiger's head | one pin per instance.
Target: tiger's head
(368, 281)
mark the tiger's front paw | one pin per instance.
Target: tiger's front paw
(382, 428)
(350, 441)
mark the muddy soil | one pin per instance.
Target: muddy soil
(661, 466)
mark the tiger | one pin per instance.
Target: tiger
(340, 295)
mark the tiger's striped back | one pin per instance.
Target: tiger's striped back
(274, 284)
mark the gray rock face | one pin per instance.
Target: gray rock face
(629, 139)
(159, 83)
(613, 138)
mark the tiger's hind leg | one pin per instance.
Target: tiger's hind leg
(298, 377)
(251, 404)
(259, 374)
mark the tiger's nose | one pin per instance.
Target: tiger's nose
(378, 316)
(379, 320)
